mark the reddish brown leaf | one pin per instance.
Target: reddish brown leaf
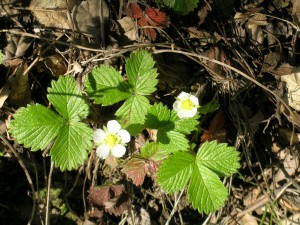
(151, 167)
(151, 17)
(134, 10)
(100, 195)
(147, 31)
(117, 205)
(156, 18)
(135, 169)
(216, 129)
(110, 197)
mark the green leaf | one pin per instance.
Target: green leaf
(149, 149)
(152, 150)
(158, 116)
(185, 125)
(181, 6)
(206, 192)
(133, 110)
(140, 72)
(219, 158)
(209, 107)
(106, 86)
(35, 126)
(70, 148)
(67, 99)
(172, 141)
(174, 173)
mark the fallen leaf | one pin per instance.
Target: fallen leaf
(292, 96)
(56, 64)
(4, 93)
(90, 18)
(291, 201)
(128, 26)
(216, 129)
(100, 195)
(53, 13)
(283, 69)
(248, 219)
(255, 27)
(16, 48)
(20, 93)
(270, 61)
(117, 206)
(290, 165)
(296, 11)
(139, 216)
(202, 13)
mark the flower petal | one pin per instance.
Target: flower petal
(99, 136)
(102, 151)
(176, 105)
(181, 114)
(194, 100)
(113, 126)
(183, 95)
(124, 136)
(192, 112)
(118, 151)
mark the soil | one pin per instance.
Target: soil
(244, 54)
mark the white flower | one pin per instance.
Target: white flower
(186, 105)
(111, 140)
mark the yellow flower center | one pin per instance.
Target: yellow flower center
(111, 140)
(187, 104)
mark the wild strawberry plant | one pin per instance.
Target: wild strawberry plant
(170, 157)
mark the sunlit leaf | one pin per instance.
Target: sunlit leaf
(106, 86)
(36, 126)
(175, 172)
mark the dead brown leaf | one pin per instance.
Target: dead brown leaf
(252, 196)
(283, 69)
(290, 163)
(20, 93)
(53, 13)
(139, 216)
(16, 48)
(101, 194)
(202, 13)
(296, 11)
(5, 8)
(248, 219)
(291, 201)
(270, 61)
(128, 26)
(4, 93)
(56, 64)
(254, 27)
(90, 18)
(258, 19)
